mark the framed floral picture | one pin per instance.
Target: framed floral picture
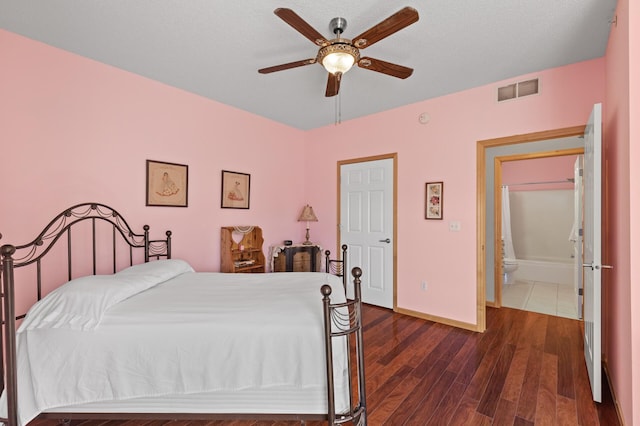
(167, 184)
(433, 201)
(235, 190)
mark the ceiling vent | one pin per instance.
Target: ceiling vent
(518, 90)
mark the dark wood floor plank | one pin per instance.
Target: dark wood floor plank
(493, 390)
(376, 397)
(566, 411)
(483, 373)
(413, 333)
(448, 405)
(516, 374)
(518, 320)
(382, 411)
(476, 357)
(546, 404)
(444, 344)
(519, 421)
(552, 337)
(529, 393)
(469, 349)
(441, 387)
(538, 332)
(565, 365)
(505, 412)
(414, 401)
(465, 414)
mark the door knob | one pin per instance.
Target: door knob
(592, 266)
(386, 241)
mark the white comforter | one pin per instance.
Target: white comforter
(193, 333)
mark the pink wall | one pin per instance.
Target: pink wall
(549, 169)
(75, 130)
(634, 202)
(444, 150)
(622, 130)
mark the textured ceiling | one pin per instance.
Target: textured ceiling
(214, 48)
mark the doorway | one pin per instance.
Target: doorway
(539, 241)
(552, 141)
(367, 223)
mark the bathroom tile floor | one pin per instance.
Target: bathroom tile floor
(545, 298)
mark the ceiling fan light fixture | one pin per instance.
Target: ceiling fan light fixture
(338, 57)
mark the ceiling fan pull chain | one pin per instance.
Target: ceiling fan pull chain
(338, 109)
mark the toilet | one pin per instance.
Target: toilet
(509, 267)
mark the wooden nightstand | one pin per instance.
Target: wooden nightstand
(296, 258)
(243, 256)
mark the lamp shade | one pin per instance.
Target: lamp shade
(338, 57)
(307, 215)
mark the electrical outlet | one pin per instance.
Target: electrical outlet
(423, 286)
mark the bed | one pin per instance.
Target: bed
(156, 340)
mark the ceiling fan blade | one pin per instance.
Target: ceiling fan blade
(392, 24)
(287, 66)
(388, 68)
(333, 84)
(300, 25)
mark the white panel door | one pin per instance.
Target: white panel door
(366, 226)
(593, 250)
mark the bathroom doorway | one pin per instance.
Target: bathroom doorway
(540, 218)
(488, 264)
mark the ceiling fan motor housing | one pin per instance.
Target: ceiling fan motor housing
(338, 25)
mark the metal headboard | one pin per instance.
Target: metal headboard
(61, 226)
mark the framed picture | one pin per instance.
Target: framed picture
(433, 201)
(235, 190)
(167, 184)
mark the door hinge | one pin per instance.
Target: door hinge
(580, 292)
(581, 232)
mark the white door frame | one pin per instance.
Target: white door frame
(481, 219)
(394, 157)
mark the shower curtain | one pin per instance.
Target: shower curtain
(507, 239)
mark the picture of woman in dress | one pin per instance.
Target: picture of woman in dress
(235, 190)
(235, 194)
(168, 186)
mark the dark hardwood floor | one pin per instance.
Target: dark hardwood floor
(526, 369)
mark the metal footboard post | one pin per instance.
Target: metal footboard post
(146, 243)
(326, 292)
(11, 388)
(357, 273)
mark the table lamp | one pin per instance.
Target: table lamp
(307, 215)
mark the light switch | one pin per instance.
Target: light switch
(454, 226)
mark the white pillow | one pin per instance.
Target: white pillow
(81, 303)
(158, 269)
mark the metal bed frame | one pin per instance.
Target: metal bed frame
(337, 267)
(341, 320)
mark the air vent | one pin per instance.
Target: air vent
(518, 90)
(507, 92)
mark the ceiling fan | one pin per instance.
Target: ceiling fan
(338, 55)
